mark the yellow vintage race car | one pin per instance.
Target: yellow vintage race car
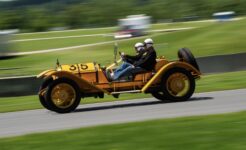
(63, 87)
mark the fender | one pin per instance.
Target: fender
(165, 68)
(45, 73)
(83, 84)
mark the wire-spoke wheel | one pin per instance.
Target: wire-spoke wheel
(63, 95)
(178, 84)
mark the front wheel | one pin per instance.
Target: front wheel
(178, 84)
(63, 95)
(41, 97)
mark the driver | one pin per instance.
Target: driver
(128, 62)
(139, 48)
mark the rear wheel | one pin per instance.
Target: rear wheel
(159, 95)
(178, 85)
(186, 55)
(63, 95)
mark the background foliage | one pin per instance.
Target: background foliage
(40, 15)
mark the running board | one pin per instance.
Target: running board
(122, 92)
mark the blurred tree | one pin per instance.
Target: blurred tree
(39, 15)
(10, 20)
(37, 19)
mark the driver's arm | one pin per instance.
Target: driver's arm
(136, 57)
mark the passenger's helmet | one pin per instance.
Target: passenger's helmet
(148, 42)
(139, 46)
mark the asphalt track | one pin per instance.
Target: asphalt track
(35, 121)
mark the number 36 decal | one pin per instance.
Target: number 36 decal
(81, 66)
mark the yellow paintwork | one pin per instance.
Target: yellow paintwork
(79, 68)
(63, 95)
(83, 84)
(177, 83)
(114, 64)
(73, 72)
(45, 73)
(91, 79)
(158, 75)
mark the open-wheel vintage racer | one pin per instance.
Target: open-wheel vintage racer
(63, 87)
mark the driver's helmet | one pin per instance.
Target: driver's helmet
(139, 46)
(148, 42)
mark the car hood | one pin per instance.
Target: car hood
(78, 68)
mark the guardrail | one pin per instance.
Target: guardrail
(29, 85)
(19, 86)
(222, 63)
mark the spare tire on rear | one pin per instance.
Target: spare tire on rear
(185, 54)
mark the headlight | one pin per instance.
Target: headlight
(58, 68)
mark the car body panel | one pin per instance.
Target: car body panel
(91, 78)
(157, 77)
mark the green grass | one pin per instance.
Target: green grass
(64, 33)
(59, 43)
(43, 44)
(220, 132)
(212, 39)
(181, 25)
(225, 81)
(103, 30)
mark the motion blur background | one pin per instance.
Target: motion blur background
(41, 15)
(34, 33)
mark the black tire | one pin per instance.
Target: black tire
(168, 94)
(160, 96)
(186, 55)
(42, 98)
(74, 104)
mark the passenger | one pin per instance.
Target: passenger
(148, 59)
(146, 62)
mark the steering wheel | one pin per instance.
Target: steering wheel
(122, 57)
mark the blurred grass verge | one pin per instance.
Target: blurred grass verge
(220, 132)
(108, 30)
(51, 40)
(215, 82)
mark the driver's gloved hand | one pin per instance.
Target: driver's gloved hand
(122, 54)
